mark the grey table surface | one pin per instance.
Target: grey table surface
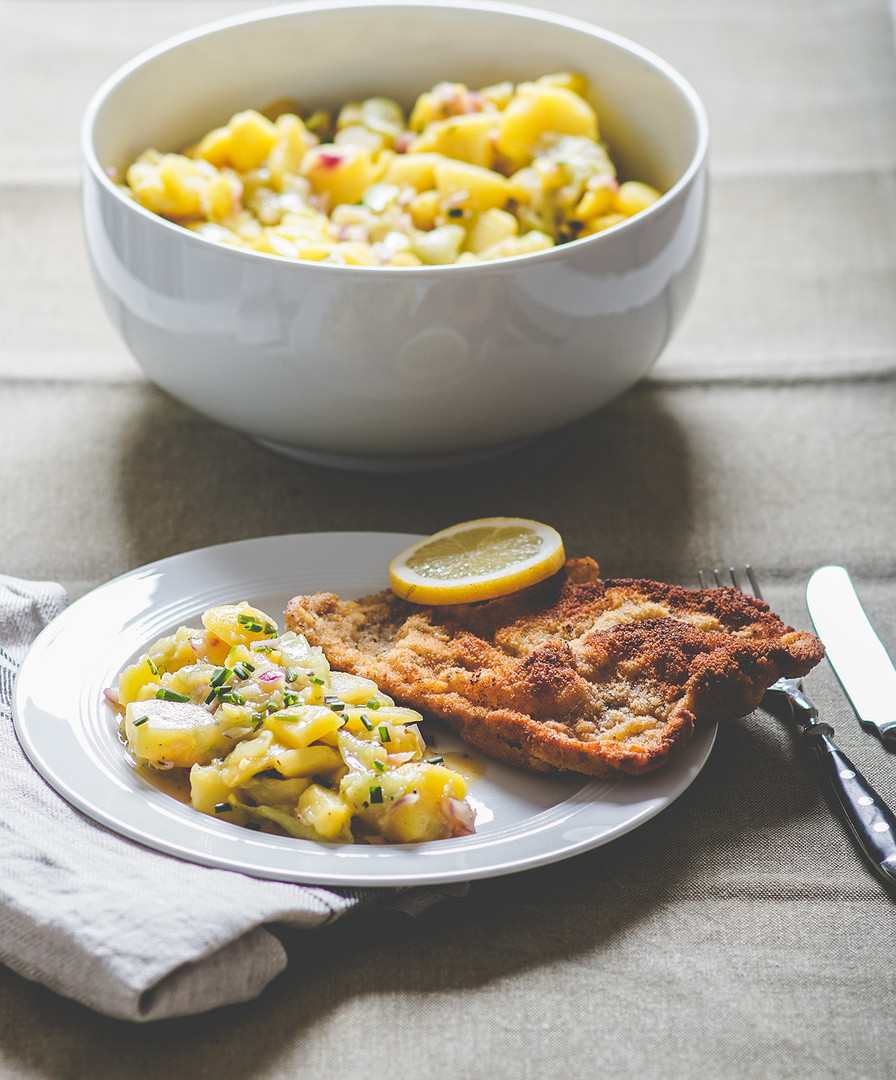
(737, 934)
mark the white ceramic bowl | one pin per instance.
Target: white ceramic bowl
(394, 367)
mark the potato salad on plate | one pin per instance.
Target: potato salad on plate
(271, 739)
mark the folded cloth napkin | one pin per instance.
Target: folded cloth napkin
(128, 931)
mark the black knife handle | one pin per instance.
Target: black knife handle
(886, 730)
(870, 820)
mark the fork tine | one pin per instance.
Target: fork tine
(735, 581)
(717, 576)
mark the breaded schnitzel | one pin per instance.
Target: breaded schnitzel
(575, 673)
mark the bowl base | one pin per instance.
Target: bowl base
(385, 463)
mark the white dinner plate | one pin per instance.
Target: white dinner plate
(71, 734)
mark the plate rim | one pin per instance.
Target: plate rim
(161, 821)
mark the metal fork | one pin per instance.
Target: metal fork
(870, 820)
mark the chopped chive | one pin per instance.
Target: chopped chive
(171, 695)
(337, 706)
(256, 647)
(366, 722)
(237, 699)
(455, 212)
(292, 674)
(380, 766)
(211, 697)
(226, 698)
(250, 622)
(314, 679)
(435, 760)
(270, 629)
(152, 666)
(290, 699)
(220, 675)
(223, 808)
(372, 704)
(384, 734)
(376, 794)
(242, 671)
(142, 720)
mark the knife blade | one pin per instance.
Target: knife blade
(860, 661)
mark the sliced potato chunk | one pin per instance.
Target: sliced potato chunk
(467, 138)
(540, 108)
(173, 734)
(471, 186)
(239, 624)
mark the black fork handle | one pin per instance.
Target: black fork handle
(870, 820)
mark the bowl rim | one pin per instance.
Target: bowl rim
(535, 14)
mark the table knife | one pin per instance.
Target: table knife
(856, 654)
(834, 608)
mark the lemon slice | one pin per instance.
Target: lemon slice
(477, 560)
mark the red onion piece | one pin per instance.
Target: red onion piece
(270, 675)
(461, 816)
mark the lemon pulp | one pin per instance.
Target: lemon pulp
(477, 560)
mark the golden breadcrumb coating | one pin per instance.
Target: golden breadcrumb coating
(576, 673)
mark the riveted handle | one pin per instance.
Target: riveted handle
(885, 729)
(870, 820)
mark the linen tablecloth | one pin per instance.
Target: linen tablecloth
(737, 934)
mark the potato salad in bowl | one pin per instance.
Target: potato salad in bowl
(271, 739)
(485, 219)
(469, 176)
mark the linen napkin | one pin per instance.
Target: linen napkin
(125, 930)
